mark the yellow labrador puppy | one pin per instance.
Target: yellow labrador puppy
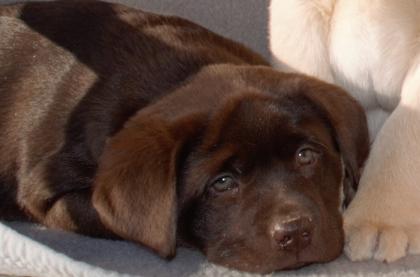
(371, 48)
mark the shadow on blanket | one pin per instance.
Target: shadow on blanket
(120, 256)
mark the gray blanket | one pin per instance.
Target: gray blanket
(127, 258)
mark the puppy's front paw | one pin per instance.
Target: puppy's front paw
(392, 244)
(360, 241)
(414, 240)
(385, 244)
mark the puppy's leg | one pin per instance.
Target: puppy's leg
(65, 205)
(299, 33)
(74, 212)
(382, 221)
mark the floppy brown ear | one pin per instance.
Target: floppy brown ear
(349, 124)
(135, 186)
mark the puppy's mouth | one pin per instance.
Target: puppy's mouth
(267, 269)
(252, 261)
(297, 265)
(270, 265)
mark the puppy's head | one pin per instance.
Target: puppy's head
(249, 165)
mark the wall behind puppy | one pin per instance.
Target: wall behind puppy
(241, 20)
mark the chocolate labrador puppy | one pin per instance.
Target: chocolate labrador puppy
(124, 124)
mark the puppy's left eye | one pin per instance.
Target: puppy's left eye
(224, 183)
(306, 156)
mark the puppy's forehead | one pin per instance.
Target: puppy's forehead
(261, 120)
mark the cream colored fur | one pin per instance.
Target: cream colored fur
(371, 48)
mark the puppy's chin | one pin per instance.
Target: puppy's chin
(267, 260)
(269, 265)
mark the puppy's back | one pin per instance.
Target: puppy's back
(72, 72)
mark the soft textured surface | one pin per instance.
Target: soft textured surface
(30, 250)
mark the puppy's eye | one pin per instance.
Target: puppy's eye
(224, 183)
(306, 156)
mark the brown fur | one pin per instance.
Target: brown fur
(115, 122)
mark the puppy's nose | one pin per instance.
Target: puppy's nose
(294, 234)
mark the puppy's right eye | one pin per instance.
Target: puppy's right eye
(306, 156)
(224, 183)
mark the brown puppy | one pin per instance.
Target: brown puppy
(120, 123)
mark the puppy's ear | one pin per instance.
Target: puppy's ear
(135, 186)
(348, 121)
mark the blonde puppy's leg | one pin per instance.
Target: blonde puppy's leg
(387, 203)
(299, 31)
(382, 221)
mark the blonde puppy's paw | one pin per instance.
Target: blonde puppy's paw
(392, 245)
(360, 241)
(414, 238)
(387, 244)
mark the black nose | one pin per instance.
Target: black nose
(293, 234)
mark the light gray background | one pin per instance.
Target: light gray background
(241, 20)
